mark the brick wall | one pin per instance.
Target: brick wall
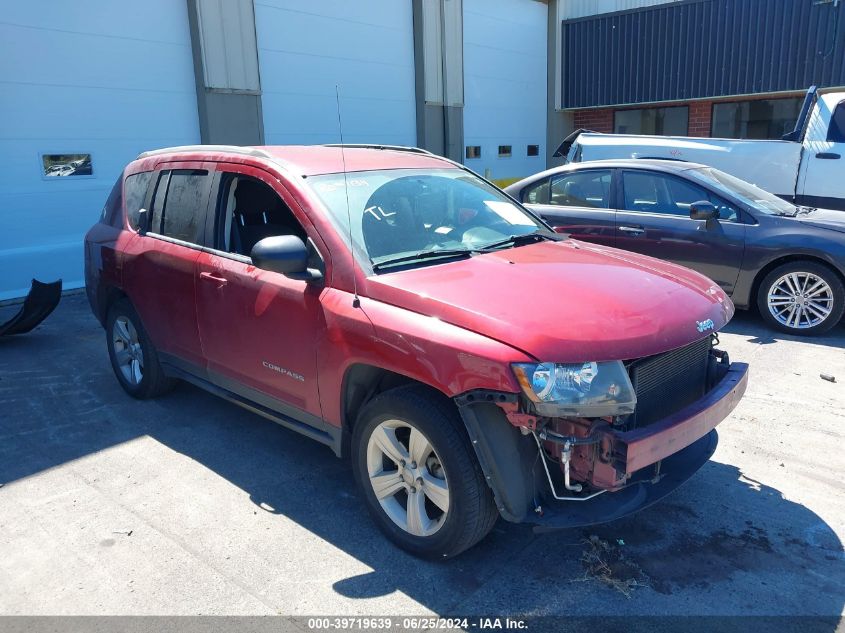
(699, 118)
(700, 114)
(597, 120)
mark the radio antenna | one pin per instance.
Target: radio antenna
(355, 301)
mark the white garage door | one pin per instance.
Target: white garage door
(366, 48)
(505, 86)
(104, 78)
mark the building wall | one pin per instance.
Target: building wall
(571, 9)
(106, 78)
(505, 49)
(700, 113)
(367, 49)
(701, 50)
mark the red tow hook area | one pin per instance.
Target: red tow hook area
(636, 449)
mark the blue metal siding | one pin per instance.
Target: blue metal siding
(700, 49)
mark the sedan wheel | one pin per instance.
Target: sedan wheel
(800, 300)
(407, 478)
(801, 297)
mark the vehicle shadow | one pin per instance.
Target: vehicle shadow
(722, 533)
(748, 323)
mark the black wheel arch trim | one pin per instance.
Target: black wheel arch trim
(508, 458)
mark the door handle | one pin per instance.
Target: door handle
(828, 155)
(220, 281)
(633, 231)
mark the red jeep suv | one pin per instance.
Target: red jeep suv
(404, 311)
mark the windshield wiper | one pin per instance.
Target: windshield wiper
(423, 255)
(519, 240)
(446, 253)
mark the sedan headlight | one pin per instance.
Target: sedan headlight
(583, 390)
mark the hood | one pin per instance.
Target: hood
(564, 301)
(825, 219)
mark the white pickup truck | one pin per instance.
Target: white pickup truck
(805, 167)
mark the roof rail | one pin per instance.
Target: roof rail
(395, 148)
(235, 149)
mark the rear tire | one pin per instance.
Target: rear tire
(802, 298)
(436, 508)
(134, 360)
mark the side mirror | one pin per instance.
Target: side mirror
(703, 210)
(284, 254)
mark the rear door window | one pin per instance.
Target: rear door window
(179, 204)
(590, 188)
(157, 206)
(537, 192)
(184, 207)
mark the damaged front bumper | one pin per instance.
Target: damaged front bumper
(639, 467)
(641, 491)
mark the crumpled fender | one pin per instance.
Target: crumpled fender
(39, 303)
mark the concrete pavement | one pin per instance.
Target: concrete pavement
(190, 505)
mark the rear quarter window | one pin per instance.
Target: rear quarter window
(111, 209)
(134, 193)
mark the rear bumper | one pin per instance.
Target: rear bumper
(682, 443)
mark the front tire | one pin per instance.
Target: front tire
(802, 298)
(419, 475)
(134, 360)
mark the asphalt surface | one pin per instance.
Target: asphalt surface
(190, 505)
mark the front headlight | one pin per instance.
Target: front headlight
(582, 390)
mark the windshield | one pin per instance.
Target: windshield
(399, 213)
(753, 196)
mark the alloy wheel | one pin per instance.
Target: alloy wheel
(127, 350)
(407, 477)
(800, 300)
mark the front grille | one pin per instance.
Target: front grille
(666, 383)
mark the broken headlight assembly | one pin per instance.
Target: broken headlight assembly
(580, 390)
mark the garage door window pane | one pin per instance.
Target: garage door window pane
(662, 121)
(582, 189)
(760, 119)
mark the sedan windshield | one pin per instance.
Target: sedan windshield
(752, 195)
(414, 216)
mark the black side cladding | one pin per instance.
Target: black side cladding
(666, 383)
(39, 303)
